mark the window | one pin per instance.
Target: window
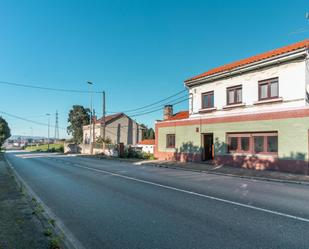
(234, 95)
(272, 144)
(170, 141)
(207, 100)
(255, 143)
(258, 144)
(191, 102)
(268, 89)
(233, 144)
(245, 143)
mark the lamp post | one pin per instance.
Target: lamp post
(104, 123)
(90, 127)
(48, 115)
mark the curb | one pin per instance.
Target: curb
(68, 240)
(113, 159)
(227, 174)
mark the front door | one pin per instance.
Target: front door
(208, 146)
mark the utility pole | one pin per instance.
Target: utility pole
(31, 137)
(104, 123)
(48, 114)
(93, 127)
(90, 126)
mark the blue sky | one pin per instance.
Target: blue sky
(137, 51)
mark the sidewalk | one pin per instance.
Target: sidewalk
(231, 171)
(19, 227)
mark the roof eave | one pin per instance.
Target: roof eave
(251, 66)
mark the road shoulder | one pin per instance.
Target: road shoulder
(19, 226)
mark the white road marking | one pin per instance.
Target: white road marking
(197, 194)
(189, 192)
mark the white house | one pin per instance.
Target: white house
(147, 145)
(251, 113)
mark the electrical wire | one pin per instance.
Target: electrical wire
(45, 88)
(29, 120)
(159, 109)
(149, 105)
(160, 105)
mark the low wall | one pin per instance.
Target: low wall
(109, 151)
(248, 162)
(271, 163)
(71, 148)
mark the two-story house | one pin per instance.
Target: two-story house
(252, 113)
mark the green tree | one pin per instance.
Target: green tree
(148, 133)
(78, 117)
(100, 140)
(5, 131)
(151, 133)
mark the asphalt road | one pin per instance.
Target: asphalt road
(112, 204)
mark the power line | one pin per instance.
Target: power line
(157, 102)
(160, 105)
(28, 120)
(14, 84)
(159, 109)
(44, 88)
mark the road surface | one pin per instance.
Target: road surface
(112, 204)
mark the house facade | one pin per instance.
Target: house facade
(252, 113)
(120, 128)
(147, 145)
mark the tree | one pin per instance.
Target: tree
(151, 133)
(148, 133)
(78, 117)
(5, 131)
(100, 140)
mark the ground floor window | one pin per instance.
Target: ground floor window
(170, 141)
(255, 143)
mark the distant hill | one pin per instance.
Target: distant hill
(14, 137)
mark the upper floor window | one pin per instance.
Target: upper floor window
(234, 95)
(208, 100)
(191, 102)
(269, 89)
(170, 141)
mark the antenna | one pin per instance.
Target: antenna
(57, 127)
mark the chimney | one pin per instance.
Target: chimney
(168, 112)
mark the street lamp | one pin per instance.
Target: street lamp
(48, 114)
(90, 127)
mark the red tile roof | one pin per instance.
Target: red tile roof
(179, 115)
(256, 58)
(109, 118)
(147, 142)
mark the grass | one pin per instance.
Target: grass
(52, 222)
(44, 148)
(48, 232)
(54, 243)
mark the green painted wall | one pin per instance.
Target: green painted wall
(292, 136)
